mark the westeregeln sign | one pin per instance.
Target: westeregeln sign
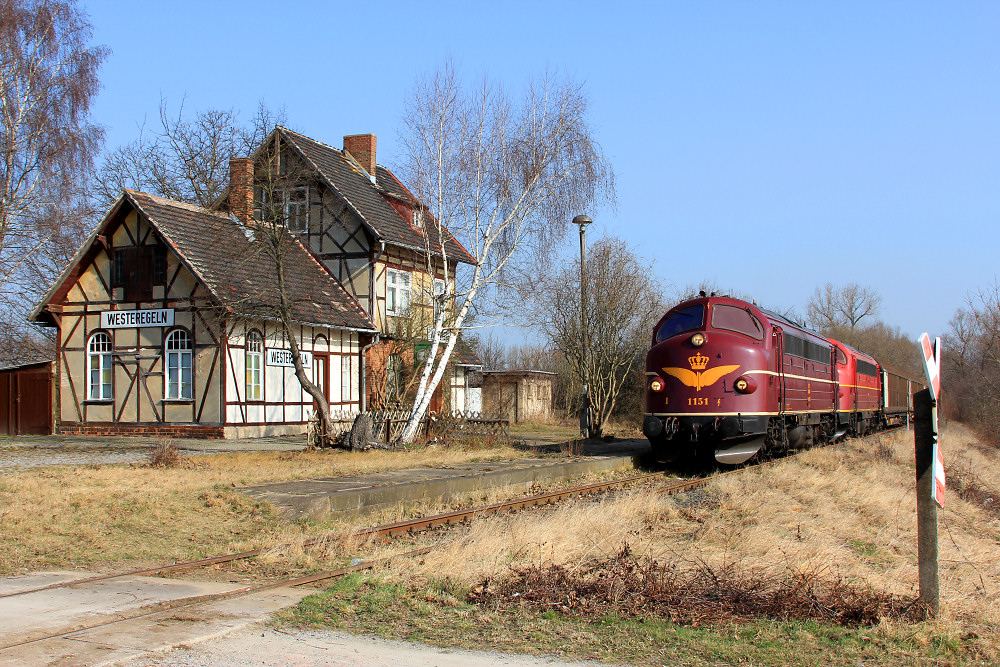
(134, 319)
(279, 357)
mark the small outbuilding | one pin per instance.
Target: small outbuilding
(519, 395)
(26, 399)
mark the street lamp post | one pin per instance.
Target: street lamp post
(583, 221)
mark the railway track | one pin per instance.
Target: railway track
(410, 526)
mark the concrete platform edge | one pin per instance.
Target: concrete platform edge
(321, 506)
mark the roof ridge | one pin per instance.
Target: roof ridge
(315, 141)
(178, 204)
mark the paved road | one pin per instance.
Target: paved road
(82, 625)
(23, 452)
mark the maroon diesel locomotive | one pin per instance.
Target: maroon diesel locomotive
(726, 379)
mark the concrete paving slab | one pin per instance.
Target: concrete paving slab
(262, 646)
(322, 499)
(26, 452)
(87, 613)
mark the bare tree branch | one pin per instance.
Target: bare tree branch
(48, 80)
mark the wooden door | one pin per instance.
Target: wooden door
(321, 375)
(34, 404)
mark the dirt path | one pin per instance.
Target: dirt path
(259, 645)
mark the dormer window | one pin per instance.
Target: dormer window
(294, 204)
(418, 218)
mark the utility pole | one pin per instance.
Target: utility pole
(583, 221)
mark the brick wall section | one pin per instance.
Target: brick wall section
(362, 148)
(143, 430)
(241, 188)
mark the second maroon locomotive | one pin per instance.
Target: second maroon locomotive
(726, 379)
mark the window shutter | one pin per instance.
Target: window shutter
(159, 265)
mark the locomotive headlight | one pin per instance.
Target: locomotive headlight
(656, 385)
(745, 385)
(698, 339)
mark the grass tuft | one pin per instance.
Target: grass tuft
(164, 455)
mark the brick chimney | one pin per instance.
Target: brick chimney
(362, 148)
(241, 188)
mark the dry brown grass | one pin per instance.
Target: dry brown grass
(164, 455)
(846, 513)
(104, 516)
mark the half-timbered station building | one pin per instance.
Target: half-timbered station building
(370, 233)
(166, 326)
(167, 319)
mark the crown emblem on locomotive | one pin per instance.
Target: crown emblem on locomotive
(698, 362)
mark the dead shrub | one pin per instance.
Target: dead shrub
(630, 586)
(972, 489)
(884, 452)
(164, 455)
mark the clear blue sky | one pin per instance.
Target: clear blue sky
(768, 146)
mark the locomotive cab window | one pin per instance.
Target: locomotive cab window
(867, 368)
(841, 357)
(680, 321)
(734, 318)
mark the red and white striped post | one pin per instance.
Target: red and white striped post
(930, 474)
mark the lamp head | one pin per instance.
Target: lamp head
(582, 220)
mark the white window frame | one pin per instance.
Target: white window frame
(417, 218)
(99, 360)
(398, 285)
(438, 290)
(295, 207)
(178, 352)
(254, 366)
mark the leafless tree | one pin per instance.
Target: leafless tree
(971, 363)
(505, 175)
(491, 351)
(184, 159)
(887, 343)
(837, 307)
(48, 80)
(271, 247)
(623, 301)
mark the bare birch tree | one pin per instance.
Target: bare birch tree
(505, 175)
(48, 80)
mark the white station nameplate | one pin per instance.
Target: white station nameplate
(134, 319)
(278, 357)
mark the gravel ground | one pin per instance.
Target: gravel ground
(317, 648)
(21, 453)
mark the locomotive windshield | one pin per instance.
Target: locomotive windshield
(734, 318)
(682, 320)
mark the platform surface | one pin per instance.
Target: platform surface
(322, 499)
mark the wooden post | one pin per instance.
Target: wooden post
(925, 437)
